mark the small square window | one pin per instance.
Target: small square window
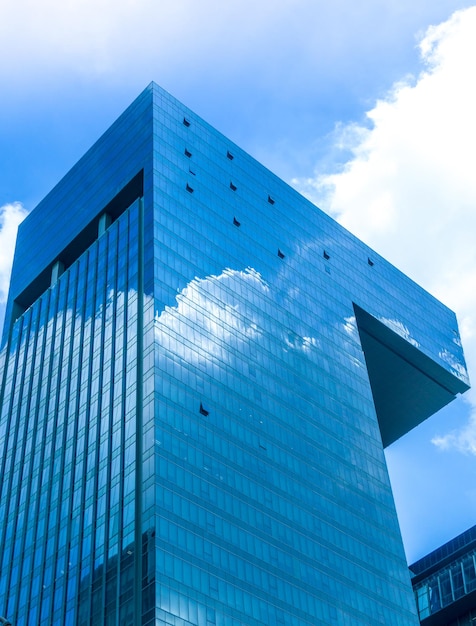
(270, 200)
(203, 410)
(280, 254)
(186, 122)
(233, 187)
(370, 262)
(326, 256)
(188, 153)
(189, 189)
(229, 155)
(236, 222)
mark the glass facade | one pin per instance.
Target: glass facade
(192, 413)
(444, 582)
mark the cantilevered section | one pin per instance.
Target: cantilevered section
(192, 404)
(407, 386)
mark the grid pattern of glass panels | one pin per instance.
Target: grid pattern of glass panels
(272, 495)
(446, 586)
(68, 443)
(191, 440)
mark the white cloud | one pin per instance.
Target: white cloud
(209, 317)
(400, 328)
(214, 316)
(239, 41)
(409, 189)
(106, 37)
(10, 217)
(463, 440)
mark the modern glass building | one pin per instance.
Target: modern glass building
(198, 375)
(444, 583)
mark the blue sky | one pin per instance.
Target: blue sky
(367, 108)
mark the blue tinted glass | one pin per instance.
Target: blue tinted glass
(188, 433)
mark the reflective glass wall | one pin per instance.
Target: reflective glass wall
(68, 441)
(444, 582)
(273, 504)
(446, 586)
(188, 434)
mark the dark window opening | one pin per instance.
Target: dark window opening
(191, 172)
(233, 187)
(229, 155)
(270, 200)
(186, 122)
(236, 222)
(370, 262)
(131, 192)
(188, 153)
(326, 256)
(189, 189)
(203, 410)
(280, 254)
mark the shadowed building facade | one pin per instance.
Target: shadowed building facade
(199, 373)
(444, 583)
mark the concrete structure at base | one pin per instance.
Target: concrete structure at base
(199, 373)
(444, 583)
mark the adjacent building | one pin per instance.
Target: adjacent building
(444, 583)
(198, 375)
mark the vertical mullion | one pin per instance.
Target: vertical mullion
(53, 311)
(62, 372)
(139, 416)
(111, 267)
(81, 315)
(38, 447)
(67, 347)
(123, 404)
(13, 504)
(29, 425)
(100, 288)
(72, 417)
(88, 437)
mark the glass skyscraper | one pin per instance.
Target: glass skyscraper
(198, 375)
